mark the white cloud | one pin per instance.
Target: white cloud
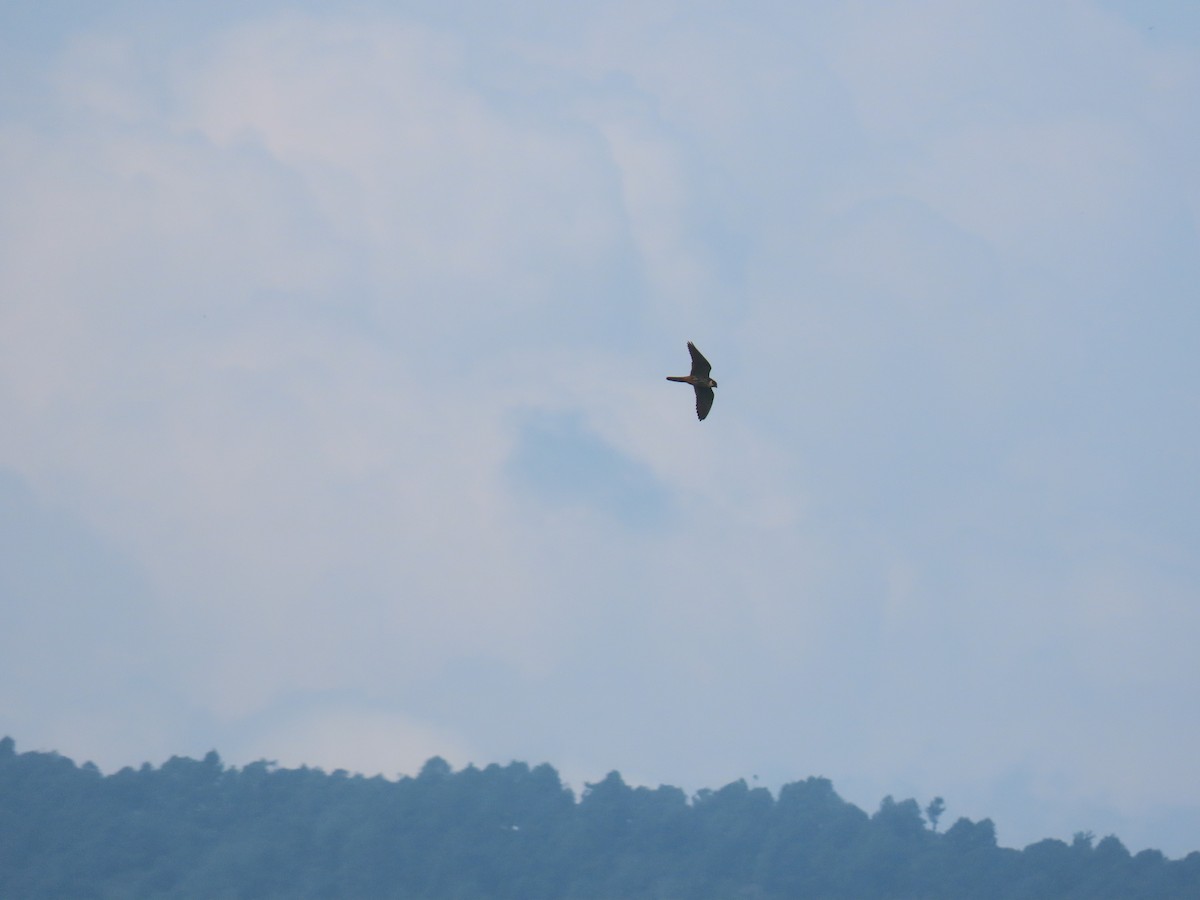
(458, 214)
(365, 741)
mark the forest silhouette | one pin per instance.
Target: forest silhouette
(198, 828)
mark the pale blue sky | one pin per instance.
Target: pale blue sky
(332, 353)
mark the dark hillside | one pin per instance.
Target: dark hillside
(197, 828)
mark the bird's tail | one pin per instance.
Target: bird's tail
(677, 378)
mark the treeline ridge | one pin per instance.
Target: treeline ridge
(199, 828)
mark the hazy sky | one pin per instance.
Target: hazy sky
(335, 430)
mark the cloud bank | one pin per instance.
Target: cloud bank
(331, 360)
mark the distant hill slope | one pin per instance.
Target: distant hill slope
(197, 828)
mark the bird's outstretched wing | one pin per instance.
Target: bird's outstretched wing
(704, 399)
(700, 365)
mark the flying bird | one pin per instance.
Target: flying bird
(700, 380)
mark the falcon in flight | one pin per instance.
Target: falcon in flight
(699, 380)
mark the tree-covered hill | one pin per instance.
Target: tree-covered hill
(198, 828)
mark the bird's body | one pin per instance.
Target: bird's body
(700, 380)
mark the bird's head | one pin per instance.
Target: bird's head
(711, 383)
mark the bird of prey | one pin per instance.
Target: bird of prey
(699, 380)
